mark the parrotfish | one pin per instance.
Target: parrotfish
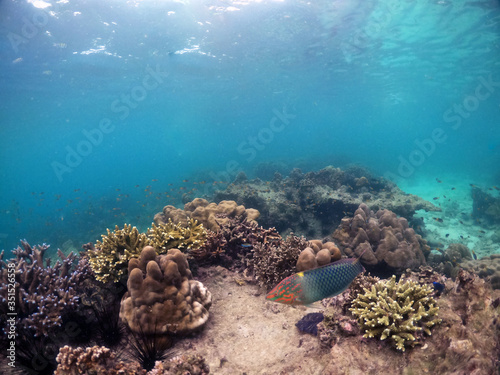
(307, 287)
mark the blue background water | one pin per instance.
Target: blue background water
(306, 84)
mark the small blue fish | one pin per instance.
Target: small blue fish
(438, 287)
(474, 254)
(309, 323)
(307, 287)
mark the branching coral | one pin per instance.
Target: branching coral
(169, 235)
(276, 259)
(43, 292)
(93, 360)
(109, 259)
(396, 311)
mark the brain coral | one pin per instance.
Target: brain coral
(162, 297)
(397, 311)
(211, 215)
(389, 243)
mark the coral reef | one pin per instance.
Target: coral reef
(275, 260)
(186, 364)
(317, 255)
(312, 204)
(162, 298)
(169, 235)
(389, 245)
(487, 268)
(456, 252)
(93, 360)
(398, 311)
(44, 293)
(46, 299)
(485, 206)
(232, 245)
(109, 259)
(99, 360)
(211, 215)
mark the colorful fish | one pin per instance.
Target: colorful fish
(307, 287)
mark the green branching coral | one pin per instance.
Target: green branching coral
(109, 259)
(169, 235)
(398, 311)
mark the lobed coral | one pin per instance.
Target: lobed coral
(162, 298)
(211, 215)
(317, 254)
(398, 311)
(387, 241)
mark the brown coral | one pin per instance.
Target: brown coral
(97, 360)
(211, 215)
(317, 254)
(162, 297)
(387, 241)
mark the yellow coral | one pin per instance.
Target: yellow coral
(398, 311)
(169, 235)
(109, 259)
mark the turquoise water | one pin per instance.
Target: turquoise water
(111, 110)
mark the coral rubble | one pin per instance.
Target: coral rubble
(388, 243)
(162, 298)
(398, 311)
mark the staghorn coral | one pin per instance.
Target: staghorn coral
(275, 260)
(96, 360)
(211, 215)
(169, 235)
(317, 254)
(109, 259)
(44, 293)
(162, 298)
(397, 311)
(390, 245)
